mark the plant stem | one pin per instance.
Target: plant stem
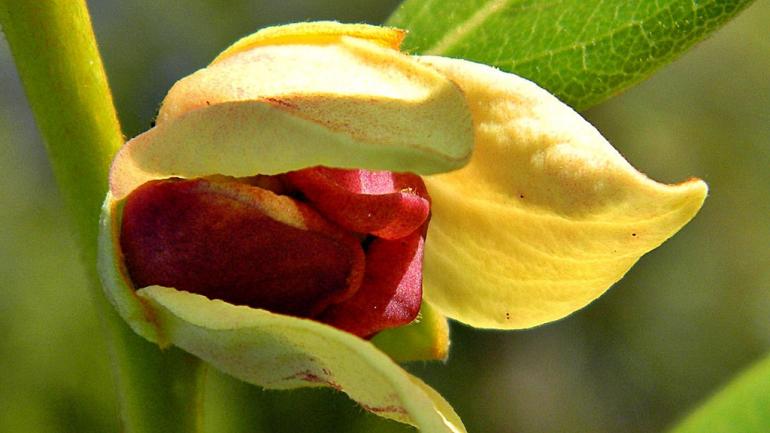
(53, 45)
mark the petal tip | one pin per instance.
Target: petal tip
(685, 200)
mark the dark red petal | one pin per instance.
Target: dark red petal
(391, 293)
(238, 243)
(385, 204)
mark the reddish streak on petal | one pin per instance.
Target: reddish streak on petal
(385, 204)
(218, 239)
(391, 293)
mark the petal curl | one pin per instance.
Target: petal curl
(545, 217)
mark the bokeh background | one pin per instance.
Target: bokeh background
(686, 318)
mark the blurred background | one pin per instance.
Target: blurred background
(686, 318)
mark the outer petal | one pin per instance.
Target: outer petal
(278, 108)
(114, 275)
(281, 352)
(545, 217)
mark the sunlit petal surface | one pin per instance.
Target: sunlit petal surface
(545, 217)
(277, 108)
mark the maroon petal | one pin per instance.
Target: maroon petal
(391, 293)
(385, 204)
(239, 243)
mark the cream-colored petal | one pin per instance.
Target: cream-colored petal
(318, 32)
(372, 93)
(545, 217)
(273, 109)
(283, 352)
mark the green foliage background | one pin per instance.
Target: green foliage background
(685, 319)
(582, 51)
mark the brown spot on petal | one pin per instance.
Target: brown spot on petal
(385, 409)
(281, 102)
(308, 376)
(239, 243)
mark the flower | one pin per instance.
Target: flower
(534, 214)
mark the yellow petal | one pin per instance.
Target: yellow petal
(319, 32)
(272, 109)
(545, 217)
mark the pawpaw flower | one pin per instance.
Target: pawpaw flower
(319, 163)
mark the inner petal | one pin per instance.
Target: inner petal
(391, 293)
(239, 243)
(382, 203)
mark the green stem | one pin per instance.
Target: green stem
(53, 45)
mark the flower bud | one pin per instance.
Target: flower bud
(247, 262)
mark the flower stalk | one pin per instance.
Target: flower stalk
(55, 52)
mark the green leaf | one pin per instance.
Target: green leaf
(741, 407)
(582, 51)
